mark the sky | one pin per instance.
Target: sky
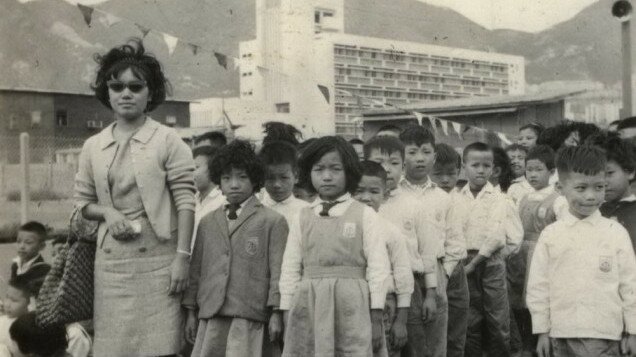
(521, 15)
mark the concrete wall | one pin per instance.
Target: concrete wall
(57, 178)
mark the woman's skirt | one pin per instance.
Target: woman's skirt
(134, 315)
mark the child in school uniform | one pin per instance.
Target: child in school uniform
(445, 174)
(281, 174)
(620, 201)
(334, 267)
(233, 297)
(583, 272)
(29, 262)
(419, 148)
(372, 191)
(488, 243)
(537, 210)
(520, 186)
(15, 304)
(528, 135)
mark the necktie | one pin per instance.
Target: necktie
(232, 208)
(326, 206)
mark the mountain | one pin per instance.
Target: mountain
(46, 44)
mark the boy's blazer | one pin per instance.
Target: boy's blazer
(235, 273)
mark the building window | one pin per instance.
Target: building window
(36, 118)
(282, 107)
(61, 118)
(171, 120)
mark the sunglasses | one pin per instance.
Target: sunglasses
(119, 86)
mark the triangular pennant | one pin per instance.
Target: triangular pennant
(109, 20)
(171, 42)
(194, 48)
(325, 92)
(444, 126)
(458, 129)
(433, 123)
(419, 117)
(144, 30)
(504, 138)
(222, 59)
(87, 12)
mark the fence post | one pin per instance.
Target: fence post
(24, 169)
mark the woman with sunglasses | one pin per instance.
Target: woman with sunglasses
(136, 178)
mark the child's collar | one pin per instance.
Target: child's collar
(318, 201)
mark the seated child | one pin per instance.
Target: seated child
(487, 228)
(582, 277)
(233, 295)
(29, 262)
(281, 174)
(35, 341)
(16, 304)
(372, 191)
(620, 201)
(520, 186)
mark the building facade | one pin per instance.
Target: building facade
(301, 45)
(60, 121)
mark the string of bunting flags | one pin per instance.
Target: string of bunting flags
(107, 19)
(433, 120)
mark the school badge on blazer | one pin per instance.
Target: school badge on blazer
(349, 230)
(251, 246)
(605, 263)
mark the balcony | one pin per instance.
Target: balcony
(371, 62)
(461, 71)
(440, 69)
(384, 82)
(346, 59)
(407, 84)
(395, 64)
(419, 67)
(358, 80)
(429, 86)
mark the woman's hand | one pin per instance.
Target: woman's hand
(543, 345)
(377, 332)
(118, 226)
(180, 271)
(191, 327)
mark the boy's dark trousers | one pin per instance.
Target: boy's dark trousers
(489, 312)
(584, 347)
(458, 301)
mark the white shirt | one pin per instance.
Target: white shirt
(519, 189)
(79, 342)
(23, 267)
(401, 280)
(6, 343)
(373, 246)
(211, 202)
(490, 220)
(452, 244)
(416, 222)
(582, 281)
(289, 207)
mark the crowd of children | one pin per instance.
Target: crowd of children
(397, 246)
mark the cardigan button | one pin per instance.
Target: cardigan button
(143, 250)
(107, 250)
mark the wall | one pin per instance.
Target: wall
(56, 178)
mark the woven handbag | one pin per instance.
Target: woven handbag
(67, 293)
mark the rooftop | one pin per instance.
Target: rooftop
(86, 93)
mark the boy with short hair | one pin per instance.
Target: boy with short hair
(446, 168)
(15, 304)
(485, 226)
(389, 130)
(536, 209)
(281, 174)
(358, 146)
(583, 272)
(416, 221)
(29, 262)
(620, 201)
(446, 174)
(372, 191)
(520, 186)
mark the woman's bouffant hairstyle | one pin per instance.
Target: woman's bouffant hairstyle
(502, 161)
(239, 154)
(143, 65)
(277, 131)
(322, 146)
